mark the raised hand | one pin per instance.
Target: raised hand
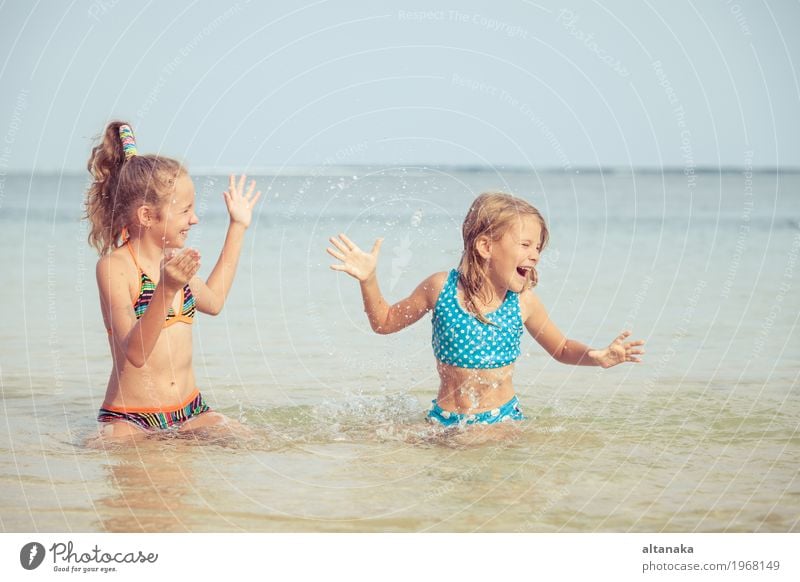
(178, 268)
(240, 204)
(355, 262)
(618, 352)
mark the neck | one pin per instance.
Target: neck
(146, 250)
(493, 291)
(489, 289)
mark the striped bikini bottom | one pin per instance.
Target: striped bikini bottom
(155, 419)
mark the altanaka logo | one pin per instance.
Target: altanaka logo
(31, 555)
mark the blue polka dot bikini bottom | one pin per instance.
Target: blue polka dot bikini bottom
(508, 411)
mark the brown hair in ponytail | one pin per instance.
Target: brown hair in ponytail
(491, 214)
(120, 185)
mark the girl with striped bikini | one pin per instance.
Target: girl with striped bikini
(140, 209)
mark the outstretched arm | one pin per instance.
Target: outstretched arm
(210, 295)
(383, 318)
(569, 351)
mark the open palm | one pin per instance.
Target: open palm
(240, 203)
(178, 267)
(354, 261)
(619, 351)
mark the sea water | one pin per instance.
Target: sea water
(702, 436)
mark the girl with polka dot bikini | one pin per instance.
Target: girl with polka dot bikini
(479, 311)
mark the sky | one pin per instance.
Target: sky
(266, 85)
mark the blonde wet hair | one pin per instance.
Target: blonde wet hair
(491, 214)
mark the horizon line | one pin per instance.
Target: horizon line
(343, 169)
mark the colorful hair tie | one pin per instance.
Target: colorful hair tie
(128, 141)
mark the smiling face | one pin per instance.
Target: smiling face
(511, 257)
(176, 215)
(503, 236)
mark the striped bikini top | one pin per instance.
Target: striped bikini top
(146, 289)
(461, 340)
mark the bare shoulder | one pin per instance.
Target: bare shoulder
(111, 262)
(530, 305)
(114, 269)
(433, 286)
(437, 280)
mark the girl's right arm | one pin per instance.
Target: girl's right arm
(383, 318)
(135, 338)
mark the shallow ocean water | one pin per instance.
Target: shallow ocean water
(703, 436)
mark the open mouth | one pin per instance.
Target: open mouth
(523, 271)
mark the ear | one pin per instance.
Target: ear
(145, 215)
(483, 244)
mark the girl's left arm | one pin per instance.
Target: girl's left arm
(210, 295)
(569, 351)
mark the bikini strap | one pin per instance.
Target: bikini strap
(513, 302)
(133, 255)
(452, 281)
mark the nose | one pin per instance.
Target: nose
(194, 219)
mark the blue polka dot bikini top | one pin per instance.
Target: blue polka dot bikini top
(461, 340)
